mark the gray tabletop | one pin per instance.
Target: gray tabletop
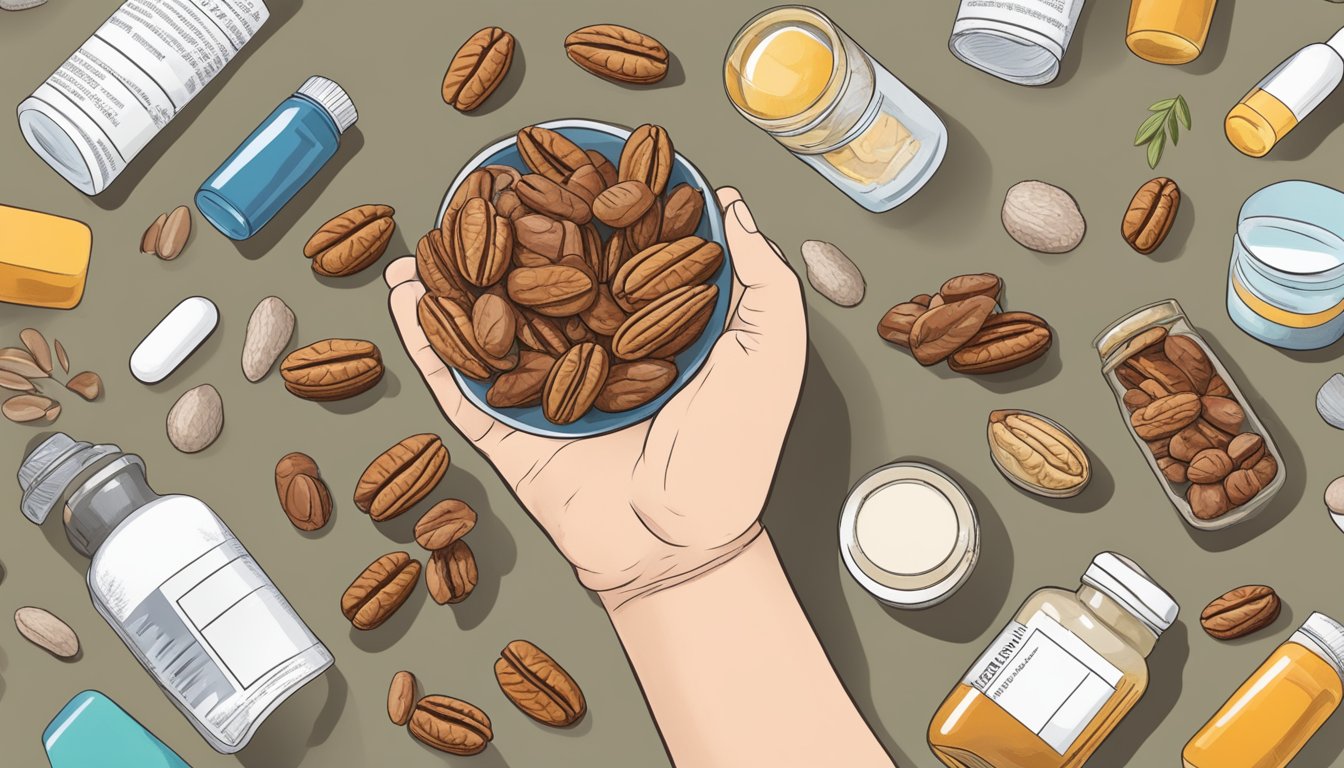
(864, 403)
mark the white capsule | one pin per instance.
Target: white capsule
(174, 339)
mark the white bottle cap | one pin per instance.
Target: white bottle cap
(46, 473)
(333, 99)
(1122, 580)
(1337, 42)
(1326, 634)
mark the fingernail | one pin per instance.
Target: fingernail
(743, 214)
(779, 252)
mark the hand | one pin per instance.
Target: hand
(655, 504)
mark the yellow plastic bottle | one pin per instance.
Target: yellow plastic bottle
(1285, 97)
(1280, 707)
(44, 259)
(1169, 31)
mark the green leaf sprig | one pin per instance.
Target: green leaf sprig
(1168, 115)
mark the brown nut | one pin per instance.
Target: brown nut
(380, 590)
(1007, 340)
(450, 725)
(1242, 486)
(1166, 417)
(23, 409)
(1246, 450)
(352, 241)
(944, 329)
(540, 234)
(668, 325)
(1186, 354)
(1207, 502)
(1210, 465)
(149, 241)
(541, 333)
(550, 154)
(1266, 469)
(1160, 449)
(1162, 371)
(401, 698)
(451, 573)
(522, 386)
(895, 326)
(438, 271)
(577, 332)
(574, 383)
(966, 286)
(332, 369)
(174, 234)
(647, 231)
(1240, 612)
(444, 523)
(1195, 438)
(630, 385)
(621, 205)
(1224, 413)
(1154, 390)
(647, 156)
(604, 167)
(586, 182)
(553, 199)
(1173, 470)
(479, 183)
(538, 686)
(401, 476)
(1135, 399)
(477, 69)
(605, 316)
(554, 290)
(493, 323)
(482, 243)
(656, 271)
(1151, 214)
(1218, 387)
(304, 496)
(682, 211)
(1037, 454)
(618, 53)
(448, 328)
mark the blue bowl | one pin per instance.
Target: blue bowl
(607, 139)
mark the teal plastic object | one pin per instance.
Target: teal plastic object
(91, 731)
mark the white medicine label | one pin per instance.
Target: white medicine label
(1047, 678)
(1052, 19)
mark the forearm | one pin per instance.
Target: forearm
(735, 675)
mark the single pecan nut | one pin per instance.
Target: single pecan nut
(555, 200)
(401, 476)
(554, 290)
(944, 329)
(656, 271)
(1224, 413)
(493, 323)
(574, 383)
(1240, 612)
(1038, 454)
(1207, 502)
(540, 234)
(1241, 486)
(1166, 417)
(451, 573)
(550, 154)
(621, 205)
(1150, 214)
(895, 326)
(479, 183)
(647, 230)
(304, 496)
(351, 241)
(444, 523)
(668, 325)
(586, 182)
(482, 243)
(966, 286)
(618, 53)
(538, 685)
(450, 725)
(478, 68)
(448, 328)
(604, 167)
(682, 211)
(541, 334)
(1006, 341)
(605, 317)
(1210, 465)
(1158, 368)
(630, 385)
(401, 698)
(1246, 450)
(1186, 354)
(647, 156)
(522, 386)
(380, 590)
(332, 369)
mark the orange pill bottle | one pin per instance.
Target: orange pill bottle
(1280, 707)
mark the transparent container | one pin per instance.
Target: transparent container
(1279, 707)
(1122, 340)
(1285, 285)
(1060, 677)
(1169, 31)
(796, 75)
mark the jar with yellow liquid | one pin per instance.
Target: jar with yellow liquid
(1169, 31)
(1280, 707)
(1285, 97)
(800, 78)
(1060, 677)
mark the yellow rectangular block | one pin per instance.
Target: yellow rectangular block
(44, 259)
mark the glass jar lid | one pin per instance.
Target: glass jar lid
(1295, 228)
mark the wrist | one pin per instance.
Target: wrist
(704, 573)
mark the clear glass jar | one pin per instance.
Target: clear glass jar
(1279, 707)
(1169, 31)
(1134, 335)
(1060, 677)
(796, 75)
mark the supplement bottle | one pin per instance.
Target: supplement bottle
(1280, 707)
(1021, 41)
(1060, 677)
(282, 155)
(178, 588)
(1285, 97)
(796, 75)
(129, 80)
(1169, 31)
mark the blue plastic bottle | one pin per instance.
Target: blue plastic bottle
(91, 730)
(281, 155)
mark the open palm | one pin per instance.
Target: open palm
(654, 504)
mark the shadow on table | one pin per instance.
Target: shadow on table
(306, 720)
(937, 213)
(1165, 666)
(1173, 247)
(1099, 35)
(1218, 41)
(120, 189)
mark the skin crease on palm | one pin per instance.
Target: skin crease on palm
(654, 505)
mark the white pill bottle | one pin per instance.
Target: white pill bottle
(137, 71)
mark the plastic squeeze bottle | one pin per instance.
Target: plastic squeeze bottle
(178, 587)
(1285, 97)
(282, 155)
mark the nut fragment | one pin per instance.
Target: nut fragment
(451, 573)
(86, 384)
(175, 233)
(19, 361)
(149, 242)
(401, 697)
(1037, 454)
(966, 286)
(23, 409)
(895, 326)
(37, 347)
(1240, 612)
(13, 381)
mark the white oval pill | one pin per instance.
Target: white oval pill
(174, 339)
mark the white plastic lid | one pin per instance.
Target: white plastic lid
(1336, 41)
(333, 99)
(1122, 580)
(1326, 634)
